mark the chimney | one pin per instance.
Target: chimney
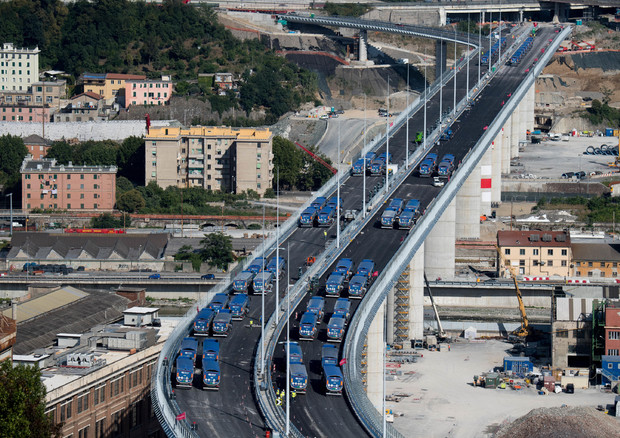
(14, 310)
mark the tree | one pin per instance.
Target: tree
(106, 220)
(289, 160)
(130, 159)
(62, 151)
(22, 403)
(217, 250)
(131, 201)
(12, 154)
(122, 185)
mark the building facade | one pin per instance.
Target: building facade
(37, 146)
(19, 68)
(48, 185)
(108, 85)
(536, 253)
(571, 332)
(85, 107)
(596, 260)
(148, 92)
(612, 329)
(214, 158)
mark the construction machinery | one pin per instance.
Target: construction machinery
(525, 329)
(440, 331)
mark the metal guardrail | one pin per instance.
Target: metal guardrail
(364, 315)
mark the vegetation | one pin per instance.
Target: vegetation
(173, 38)
(296, 168)
(601, 113)
(106, 220)
(187, 253)
(22, 403)
(472, 27)
(346, 9)
(596, 209)
(216, 250)
(12, 153)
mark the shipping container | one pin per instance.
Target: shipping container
(520, 366)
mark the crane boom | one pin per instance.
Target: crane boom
(525, 324)
(442, 333)
(317, 158)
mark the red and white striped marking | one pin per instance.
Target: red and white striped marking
(578, 280)
(535, 278)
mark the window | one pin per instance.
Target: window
(68, 206)
(82, 206)
(82, 176)
(521, 262)
(590, 264)
(116, 428)
(564, 252)
(83, 433)
(133, 415)
(68, 176)
(82, 186)
(95, 206)
(614, 265)
(68, 195)
(550, 263)
(82, 402)
(95, 186)
(507, 251)
(535, 262)
(116, 386)
(549, 252)
(578, 264)
(81, 195)
(100, 428)
(95, 176)
(535, 251)
(522, 252)
(563, 262)
(68, 186)
(612, 352)
(614, 335)
(589, 273)
(28, 195)
(65, 410)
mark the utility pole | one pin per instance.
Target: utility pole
(387, 136)
(407, 129)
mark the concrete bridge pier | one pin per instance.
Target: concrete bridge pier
(515, 122)
(486, 183)
(439, 252)
(468, 204)
(524, 116)
(506, 139)
(363, 46)
(416, 295)
(531, 107)
(389, 317)
(496, 183)
(374, 359)
(441, 50)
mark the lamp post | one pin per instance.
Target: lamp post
(387, 135)
(407, 128)
(262, 309)
(454, 99)
(364, 175)
(277, 313)
(425, 101)
(10, 196)
(338, 190)
(479, 45)
(440, 82)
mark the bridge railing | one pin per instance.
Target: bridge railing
(375, 297)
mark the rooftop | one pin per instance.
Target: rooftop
(90, 94)
(30, 165)
(533, 239)
(141, 310)
(210, 131)
(36, 140)
(600, 251)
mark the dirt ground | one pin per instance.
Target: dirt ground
(443, 402)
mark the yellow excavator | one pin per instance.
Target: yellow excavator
(525, 329)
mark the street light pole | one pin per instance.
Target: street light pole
(407, 129)
(262, 310)
(468, 51)
(387, 135)
(440, 82)
(479, 45)
(425, 98)
(288, 341)
(364, 170)
(277, 313)
(338, 190)
(454, 99)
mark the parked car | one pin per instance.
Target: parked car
(570, 388)
(208, 277)
(81, 269)
(154, 276)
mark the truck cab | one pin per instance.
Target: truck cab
(218, 302)
(276, 266)
(263, 283)
(334, 284)
(189, 347)
(427, 167)
(210, 350)
(242, 281)
(307, 217)
(334, 382)
(222, 323)
(295, 352)
(299, 378)
(357, 286)
(257, 265)
(345, 266)
(358, 168)
(326, 216)
(388, 218)
(211, 375)
(408, 216)
(308, 326)
(342, 309)
(335, 329)
(366, 267)
(446, 166)
(185, 372)
(239, 306)
(319, 203)
(202, 322)
(316, 305)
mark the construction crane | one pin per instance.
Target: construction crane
(318, 159)
(441, 333)
(525, 329)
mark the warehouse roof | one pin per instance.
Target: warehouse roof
(534, 239)
(601, 251)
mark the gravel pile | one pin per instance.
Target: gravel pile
(562, 422)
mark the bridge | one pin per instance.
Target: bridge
(490, 119)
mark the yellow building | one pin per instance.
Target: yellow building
(108, 85)
(214, 158)
(596, 259)
(535, 253)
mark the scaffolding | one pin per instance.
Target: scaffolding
(402, 295)
(364, 367)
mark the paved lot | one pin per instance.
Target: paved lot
(444, 403)
(551, 159)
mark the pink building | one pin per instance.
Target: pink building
(25, 113)
(37, 146)
(48, 185)
(147, 92)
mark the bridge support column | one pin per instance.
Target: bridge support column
(515, 120)
(363, 46)
(442, 16)
(531, 108)
(440, 57)
(416, 297)
(496, 183)
(374, 359)
(486, 182)
(439, 246)
(524, 117)
(506, 139)
(389, 317)
(468, 206)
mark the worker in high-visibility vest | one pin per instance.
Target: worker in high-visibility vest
(293, 394)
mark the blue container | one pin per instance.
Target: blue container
(609, 132)
(521, 366)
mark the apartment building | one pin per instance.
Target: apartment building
(596, 259)
(37, 146)
(108, 85)
(85, 107)
(19, 67)
(612, 328)
(214, 158)
(535, 253)
(148, 92)
(49, 185)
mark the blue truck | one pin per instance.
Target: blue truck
(342, 309)
(202, 322)
(210, 350)
(427, 166)
(189, 347)
(263, 283)
(327, 216)
(239, 306)
(334, 284)
(345, 266)
(334, 382)
(308, 216)
(366, 267)
(295, 352)
(218, 302)
(185, 372)
(222, 323)
(299, 378)
(358, 168)
(379, 164)
(446, 166)
(408, 216)
(329, 355)
(447, 134)
(357, 286)
(308, 326)
(242, 282)
(276, 266)
(211, 375)
(316, 305)
(257, 265)
(319, 203)
(390, 214)
(335, 329)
